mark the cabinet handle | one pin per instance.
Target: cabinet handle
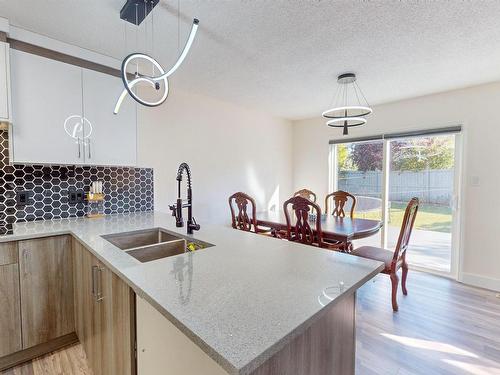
(26, 261)
(90, 154)
(99, 296)
(94, 281)
(79, 150)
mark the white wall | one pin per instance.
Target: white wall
(229, 149)
(477, 109)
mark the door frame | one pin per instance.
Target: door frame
(458, 200)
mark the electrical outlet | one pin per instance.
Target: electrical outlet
(23, 197)
(76, 196)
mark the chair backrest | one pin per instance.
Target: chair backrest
(406, 229)
(302, 230)
(306, 193)
(340, 199)
(240, 219)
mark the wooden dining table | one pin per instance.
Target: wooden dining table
(334, 228)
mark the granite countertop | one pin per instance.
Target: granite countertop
(240, 301)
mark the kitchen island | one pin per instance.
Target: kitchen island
(250, 304)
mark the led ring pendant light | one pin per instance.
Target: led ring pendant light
(350, 106)
(154, 82)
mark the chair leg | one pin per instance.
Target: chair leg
(350, 247)
(403, 279)
(395, 282)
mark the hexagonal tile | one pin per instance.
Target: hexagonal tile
(126, 189)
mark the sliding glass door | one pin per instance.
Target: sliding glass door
(423, 167)
(385, 174)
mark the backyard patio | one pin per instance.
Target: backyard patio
(430, 244)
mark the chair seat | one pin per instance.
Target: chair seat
(375, 253)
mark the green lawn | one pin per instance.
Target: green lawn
(429, 217)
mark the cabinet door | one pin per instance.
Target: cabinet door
(4, 81)
(109, 139)
(85, 306)
(117, 324)
(104, 315)
(46, 96)
(10, 314)
(82, 279)
(46, 285)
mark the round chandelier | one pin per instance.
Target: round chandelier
(349, 107)
(157, 82)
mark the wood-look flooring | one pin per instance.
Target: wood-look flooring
(442, 328)
(68, 361)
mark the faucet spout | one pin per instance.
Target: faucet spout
(179, 205)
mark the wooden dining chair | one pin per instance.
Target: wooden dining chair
(306, 193)
(394, 260)
(340, 198)
(240, 203)
(301, 230)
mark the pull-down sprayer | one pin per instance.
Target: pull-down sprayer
(178, 206)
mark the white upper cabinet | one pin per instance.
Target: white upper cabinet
(63, 114)
(46, 95)
(4, 82)
(109, 139)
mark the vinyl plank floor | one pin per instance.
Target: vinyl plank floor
(442, 327)
(68, 361)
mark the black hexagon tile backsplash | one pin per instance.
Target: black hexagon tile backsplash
(126, 189)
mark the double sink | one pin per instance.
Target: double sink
(152, 244)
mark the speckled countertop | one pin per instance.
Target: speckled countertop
(241, 301)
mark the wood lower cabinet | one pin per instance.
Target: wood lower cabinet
(46, 289)
(10, 307)
(104, 315)
(51, 288)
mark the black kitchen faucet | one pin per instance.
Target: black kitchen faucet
(178, 206)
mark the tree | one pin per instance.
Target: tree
(342, 155)
(368, 156)
(419, 154)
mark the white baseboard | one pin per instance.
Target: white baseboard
(481, 281)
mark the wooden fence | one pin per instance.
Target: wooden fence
(430, 186)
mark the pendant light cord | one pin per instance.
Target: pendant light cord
(152, 36)
(136, 36)
(178, 27)
(146, 48)
(361, 91)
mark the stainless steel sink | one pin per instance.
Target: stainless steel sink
(130, 240)
(162, 250)
(152, 244)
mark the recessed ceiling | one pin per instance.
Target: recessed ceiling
(282, 57)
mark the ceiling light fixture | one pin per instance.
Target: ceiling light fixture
(349, 107)
(150, 80)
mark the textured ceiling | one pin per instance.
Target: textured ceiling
(282, 57)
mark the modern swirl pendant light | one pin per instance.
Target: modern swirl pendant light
(349, 107)
(142, 59)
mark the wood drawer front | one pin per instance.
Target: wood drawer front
(46, 285)
(8, 253)
(10, 314)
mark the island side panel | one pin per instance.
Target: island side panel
(326, 348)
(163, 349)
